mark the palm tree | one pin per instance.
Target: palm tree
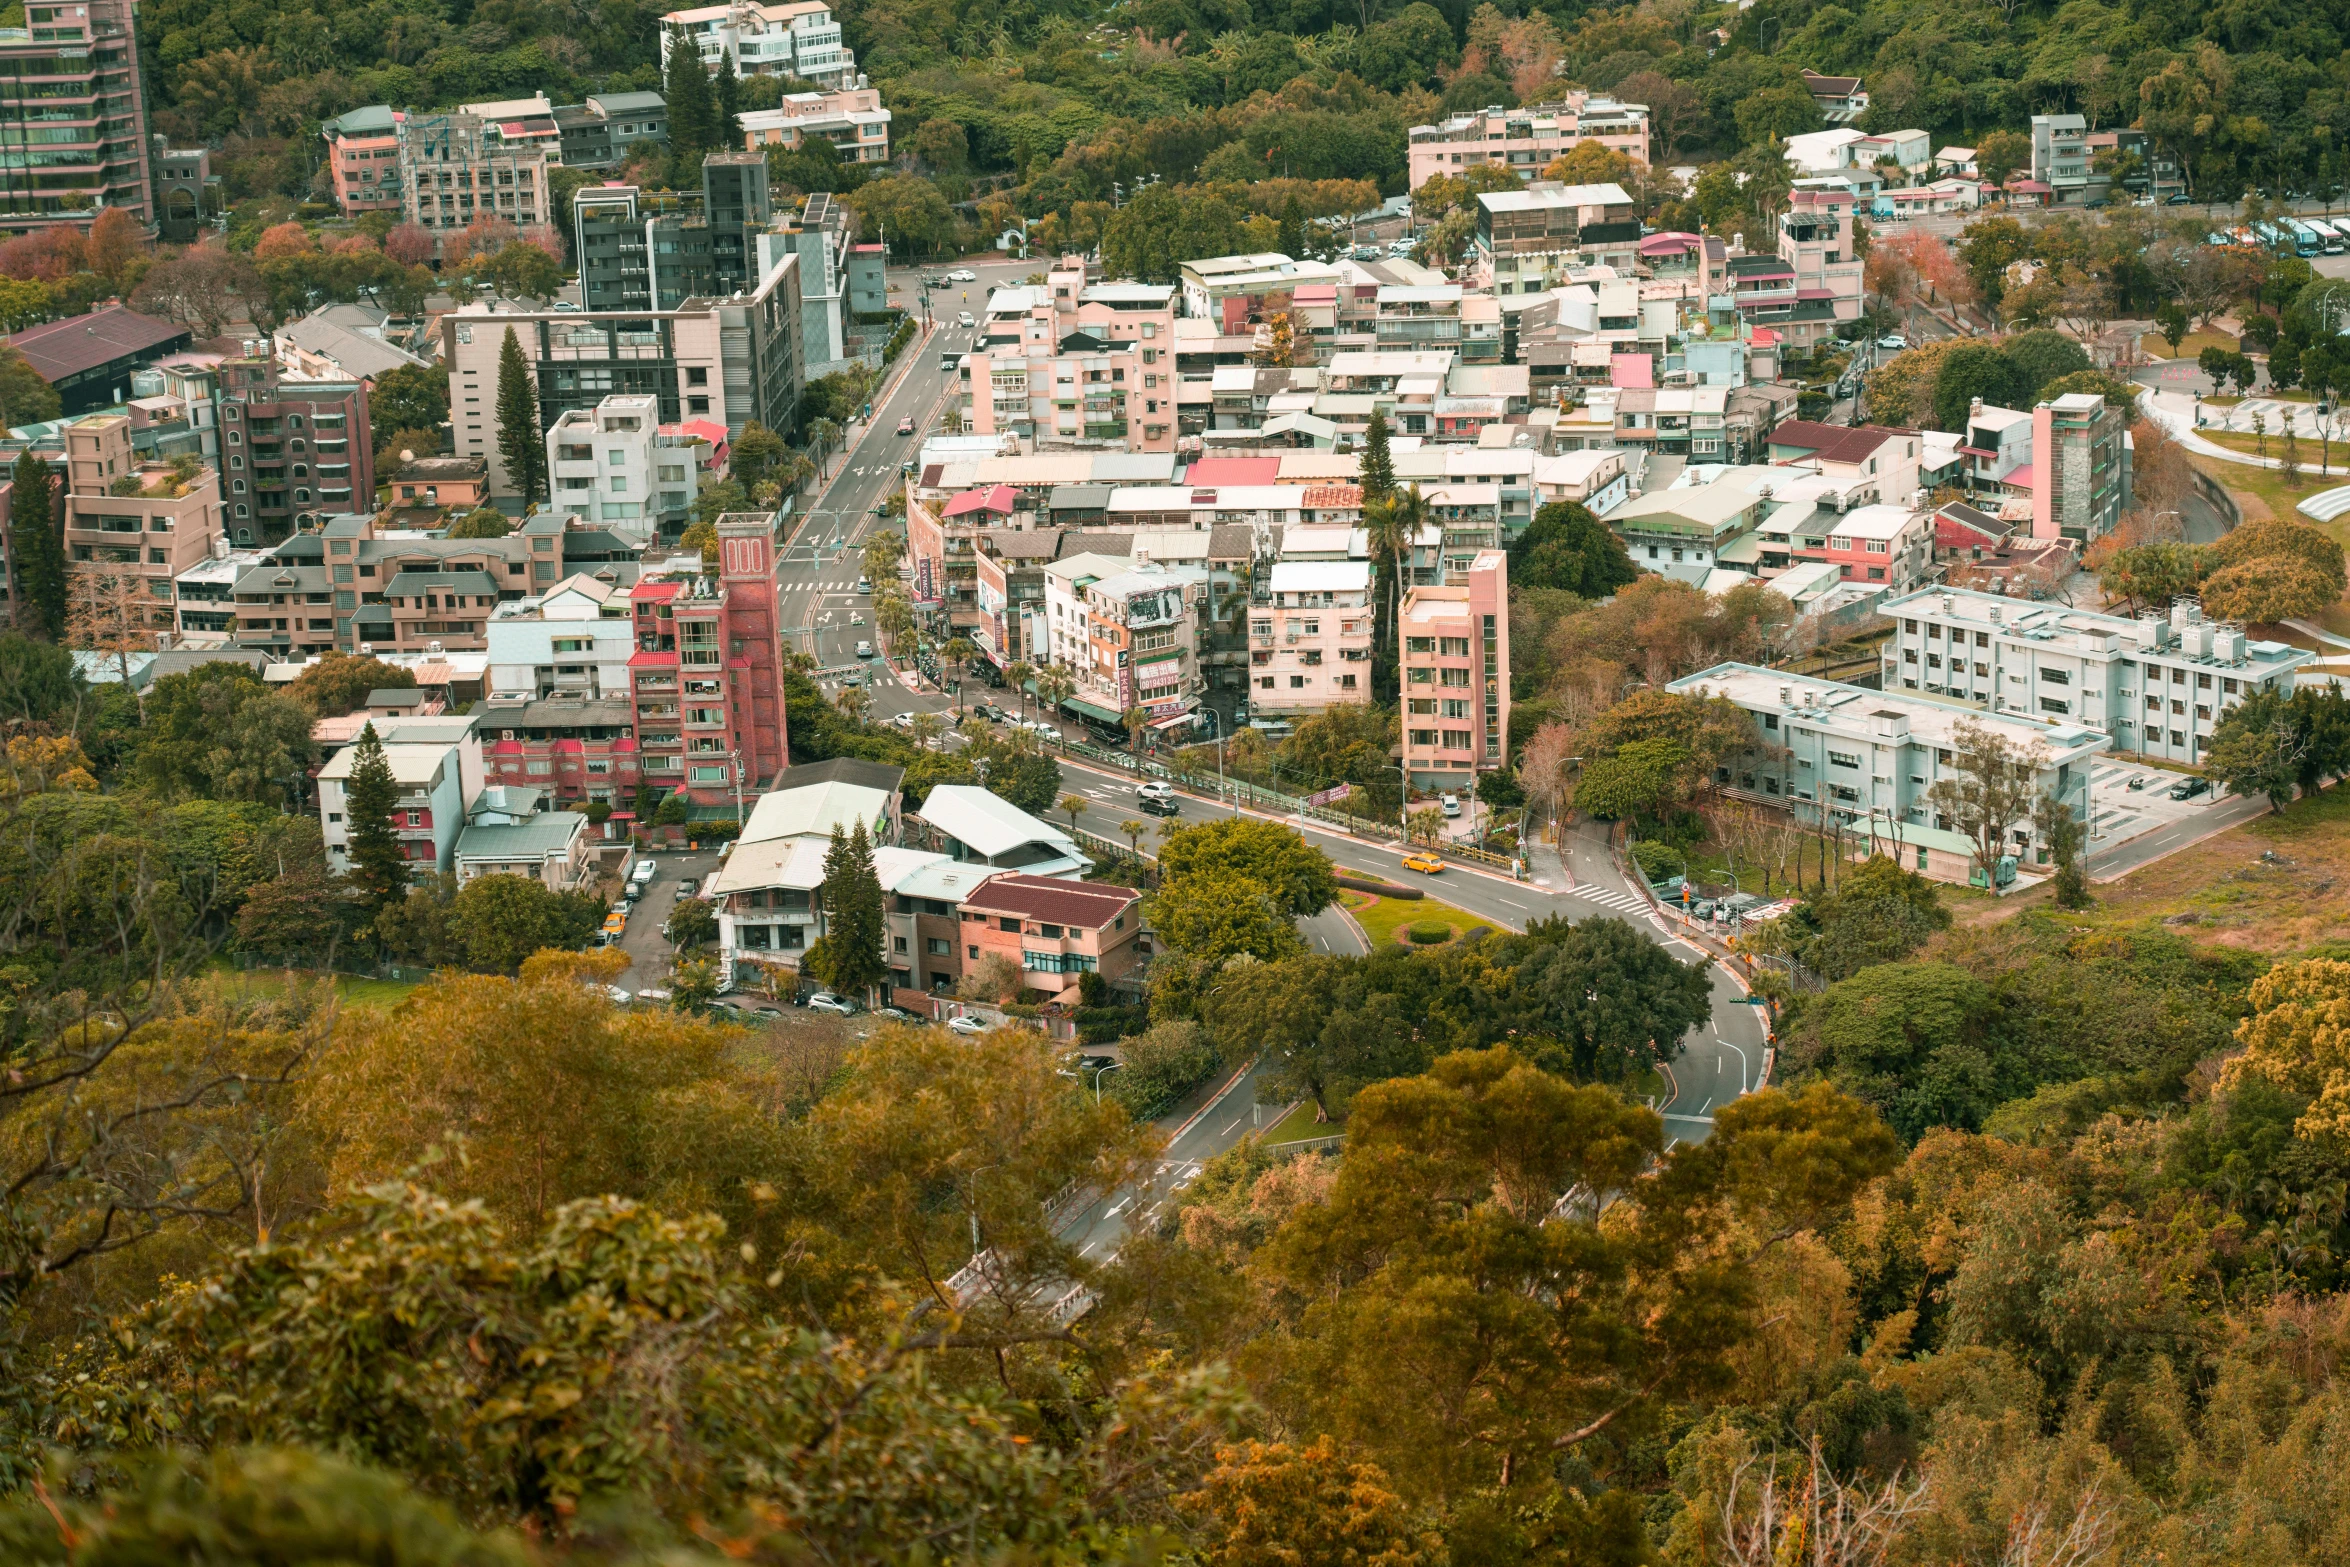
(959, 652)
(1134, 721)
(821, 434)
(1020, 672)
(1133, 831)
(924, 728)
(1074, 804)
(1394, 527)
(1053, 686)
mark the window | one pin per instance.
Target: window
(1843, 759)
(2056, 677)
(2050, 704)
(1419, 644)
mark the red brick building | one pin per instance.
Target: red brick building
(707, 676)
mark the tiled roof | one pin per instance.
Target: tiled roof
(1834, 442)
(58, 349)
(1054, 899)
(1333, 495)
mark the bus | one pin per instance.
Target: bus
(2330, 234)
(2269, 237)
(2306, 240)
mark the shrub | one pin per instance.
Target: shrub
(1428, 933)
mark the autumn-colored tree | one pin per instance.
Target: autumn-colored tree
(115, 238)
(283, 242)
(410, 244)
(1277, 1506)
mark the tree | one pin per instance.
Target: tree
(1299, 876)
(2295, 1039)
(521, 443)
(408, 397)
(1878, 912)
(110, 612)
(483, 522)
(206, 287)
(2258, 748)
(216, 732)
(38, 539)
(2063, 835)
(304, 915)
(1213, 915)
(1635, 780)
(2149, 576)
(2170, 319)
(1969, 371)
(1151, 236)
(2268, 589)
(115, 239)
(693, 114)
(1901, 390)
(39, 682)
(693, 924)
(1026, 779)
(727, 101)
(2281, 538)
(1378, 467)
(910, 210)
(379, 865)
(1074, 806)
(499, 921)
(1272, 1506)
(1280, 350)
(1568, 548)
(850, 958)
(2000, 155)
(2040, 357)
(1989, 784)
(1911, 1039)
(520, 271)
(339, 683)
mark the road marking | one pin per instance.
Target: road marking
(1513, 903)
(1227, 1132)
(1625, 901)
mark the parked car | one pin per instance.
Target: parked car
(826, 1001)
(2178, 198)
(896, 1014)
(1425, 864)
(1155, 789)
(1894, 341)
(864, 585)
(619, 996)
(966, 1025)
(2189, 788)
(657, 996)
(1451, 804)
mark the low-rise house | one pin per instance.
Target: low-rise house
(976, 827)
(1056, 930)
(1310, 636)
(549, 846)
(437, 764)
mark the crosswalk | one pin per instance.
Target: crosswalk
(1621, 902)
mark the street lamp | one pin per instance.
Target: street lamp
(1098, 1076)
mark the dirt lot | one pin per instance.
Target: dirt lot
(2223, 890)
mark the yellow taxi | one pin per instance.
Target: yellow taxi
(615, 925)
(1425, 864)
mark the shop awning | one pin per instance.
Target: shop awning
(1092, 710)
(1174, 722)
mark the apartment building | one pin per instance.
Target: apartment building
(1072, 363)
(852, 120)
(2157, 685)
(2080, 467)
(1546, 219)
(205, 594)
(1996, 451)
(1868, 758)
(363, 158)
(1140, 642)
(437, 764)
(728, 360)
(576, 747)
(575, 640)
(137, 522)
(1309, 639)
(1456, 676)
(1055, 929)
(707, 675)
(307, 442)
(608, 462)
(606, 131)
(799, 40)
(647, 250)
(821, 234)
(1867, 462)
(2060, 160)
(1817, 243)
(457, 167)
(74, 71)
(423, 487)
(1874, 546)
(1525, 140)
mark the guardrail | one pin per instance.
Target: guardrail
(1231, 791)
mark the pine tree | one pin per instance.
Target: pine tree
(693, 117)
(1378, 471)
(727, 102)
(521, 443)
(1293, 229)
(40, 549)
(378, 863)
(847, 958)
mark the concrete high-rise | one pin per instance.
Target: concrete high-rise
(73, 117)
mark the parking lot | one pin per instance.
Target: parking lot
(2118, 812)
(648, 950)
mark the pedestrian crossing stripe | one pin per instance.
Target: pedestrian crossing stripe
(1614, 900)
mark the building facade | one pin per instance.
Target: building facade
(799, 39)
(2157, 685)
(457, 167)
(1526, 140)
(1055, 929)
(74, 71)
(436, 764)
(707, 675)
(608, 463)
(2080, 468)
(363, 157)
(1070, 363)
(606, 131)
(138, 542)
(852, 120)
(1456, 676)
(1309, 645)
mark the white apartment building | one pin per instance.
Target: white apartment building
(1508, 470)
(608, 464)
(437, 764)
(852, 119)
(800, 39)
(2157, 685)
(1309, 642)
(1066, 618)
(574, 640)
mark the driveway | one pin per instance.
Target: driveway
(648, 950)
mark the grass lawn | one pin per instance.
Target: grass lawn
(1382, 917)
(2190, 347)
(2221, 891)
(1300, 1126)
(377, 994)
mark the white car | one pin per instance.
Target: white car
(964, 319)
(1896, 342)
(1451, 804)
(1155, 789)
(902, 720)
(963, 275)
(965, 1025)
(864, 650)
(826, 1001)
(619, 996)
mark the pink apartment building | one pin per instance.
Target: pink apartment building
(151, 532)
(853, 120)
(1056, 929)
(364, 158)
(1309, 644)
(1071, 363)
(1456, 675)
(1527, 139)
